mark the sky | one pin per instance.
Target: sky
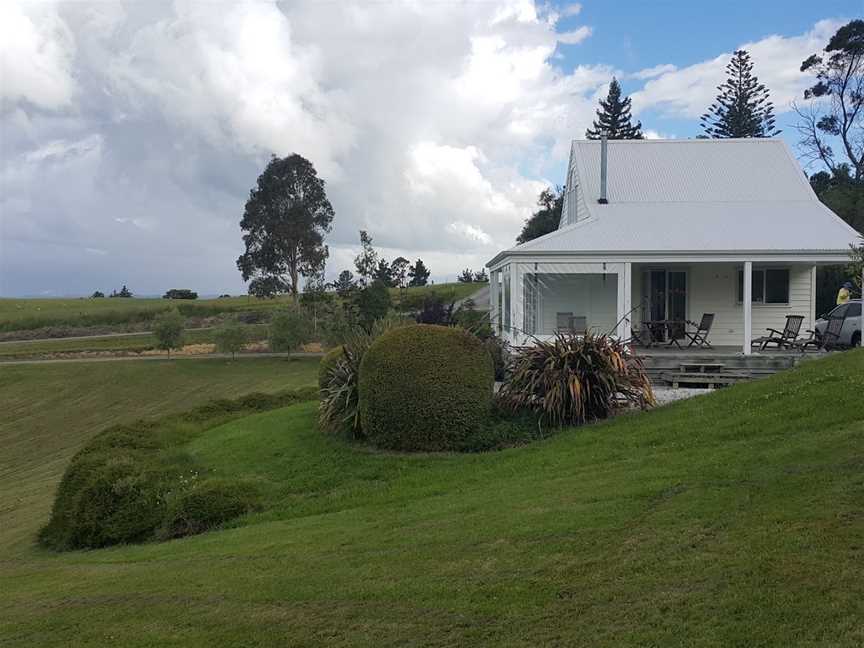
(131, 133)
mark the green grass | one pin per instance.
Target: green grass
(119, 343)
(50, 411)
(25, 314)
(22, 314)
(447, 291)
(734, 519)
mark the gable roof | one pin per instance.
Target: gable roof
(692, 196)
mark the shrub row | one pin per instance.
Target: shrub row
(130, 482)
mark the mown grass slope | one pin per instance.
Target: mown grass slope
(731, 519)
(133, 343)
(47, 412)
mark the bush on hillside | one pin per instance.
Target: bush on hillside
(434, 309)
(106, 498)
(425, 388)
(206, 506)
(575, 379)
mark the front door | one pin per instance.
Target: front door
(664, 298)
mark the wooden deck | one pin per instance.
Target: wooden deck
(717, 366)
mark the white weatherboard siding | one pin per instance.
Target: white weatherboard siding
(713, 288)
(708, 207)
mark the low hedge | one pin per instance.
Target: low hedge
(106, 498)
(425, 388)
(206, 506)
(126, 484)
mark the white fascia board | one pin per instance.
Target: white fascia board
(823, 257)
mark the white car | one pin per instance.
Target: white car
(850, 334)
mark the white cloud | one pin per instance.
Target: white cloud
(572, 9)
(470, 232)
(138, 129)
(574, 37)
(688, 91)
(36, 50)
(657, 70)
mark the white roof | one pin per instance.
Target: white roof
(694, 196)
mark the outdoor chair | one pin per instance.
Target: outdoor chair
(642, 336)
(573, 324)
(699, 337)
(827, 339)
(784, 339)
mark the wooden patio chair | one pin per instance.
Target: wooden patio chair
(568, 323)
(784, 339)
(826, 340)
(642, 336)
(699, 337)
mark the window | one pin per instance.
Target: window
(770, 286)
(854, 310)
(531, 297)
(776, 286)
(839, 312)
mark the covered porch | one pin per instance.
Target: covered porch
(533, 298)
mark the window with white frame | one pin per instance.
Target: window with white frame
(531, 297)
(770, 286)
(505, 301)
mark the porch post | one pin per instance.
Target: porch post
(625, 301)
(517, 294)
(493, 300)
(812, 298)
(748, 306)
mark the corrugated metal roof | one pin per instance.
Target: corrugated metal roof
(695, 196)
(701, 227)
(748, 170)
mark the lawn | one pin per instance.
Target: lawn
(729, 519)
(49, 411)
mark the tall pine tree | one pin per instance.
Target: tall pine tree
(742, 108)
(614, 117)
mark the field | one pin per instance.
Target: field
(132, 343)
(730, 519)
(25, 314)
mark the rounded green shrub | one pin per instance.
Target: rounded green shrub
(327, 363)
(206, 506)
(104, 499)
(425, 388)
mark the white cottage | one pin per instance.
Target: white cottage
(668, 230)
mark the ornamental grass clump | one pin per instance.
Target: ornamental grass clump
(571, 379)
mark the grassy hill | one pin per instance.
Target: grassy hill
(730, 519)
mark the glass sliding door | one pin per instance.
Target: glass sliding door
(676, 288)
(664, 299)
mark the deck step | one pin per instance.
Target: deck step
(704, 378)
(701, 367)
